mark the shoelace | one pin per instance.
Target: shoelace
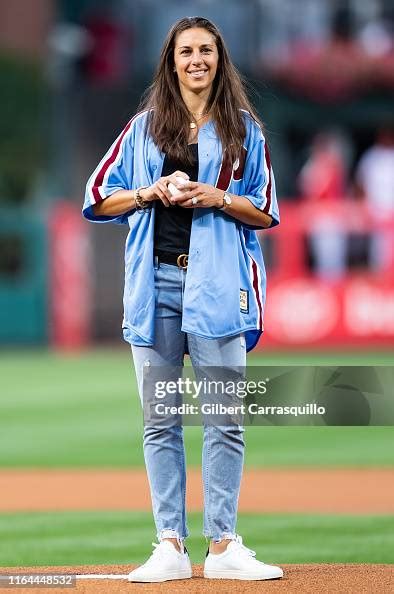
(158, 552)
(241, 547)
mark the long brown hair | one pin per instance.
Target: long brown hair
(169, 119)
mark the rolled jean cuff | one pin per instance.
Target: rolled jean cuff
(168, 533)
(225, 536)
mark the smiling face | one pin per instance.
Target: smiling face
(196, 60)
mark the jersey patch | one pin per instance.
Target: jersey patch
(244, 300)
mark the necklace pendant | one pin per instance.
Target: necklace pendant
(193, 125)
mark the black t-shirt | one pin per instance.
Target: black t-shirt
(173, 223)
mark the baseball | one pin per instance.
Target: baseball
(173, 189)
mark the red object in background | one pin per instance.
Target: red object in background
(302, 310)
(308, 313)
(69, 288)
(107, 62)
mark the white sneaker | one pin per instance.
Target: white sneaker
(165, 563)
(238, 562)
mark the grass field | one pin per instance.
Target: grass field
(66, 411)
(125, 537)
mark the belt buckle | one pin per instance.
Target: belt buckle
(182, 261)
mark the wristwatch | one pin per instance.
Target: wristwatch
(227, 201)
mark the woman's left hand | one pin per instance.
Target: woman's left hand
(198, 195)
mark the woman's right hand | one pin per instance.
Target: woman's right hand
(159, 190)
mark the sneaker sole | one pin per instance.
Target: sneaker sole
(238, 575)
(174, 575)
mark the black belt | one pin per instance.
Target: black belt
(180, 260)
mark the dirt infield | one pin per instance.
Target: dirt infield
(354, 491)
(311, 578)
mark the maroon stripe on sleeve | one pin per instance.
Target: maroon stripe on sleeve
(108, 162)
(267, 206)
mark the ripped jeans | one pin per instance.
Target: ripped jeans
(223, 447)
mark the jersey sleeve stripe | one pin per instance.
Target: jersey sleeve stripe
(104, 168)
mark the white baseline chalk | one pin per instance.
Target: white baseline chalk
(102, 576)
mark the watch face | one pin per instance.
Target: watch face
(227, 199)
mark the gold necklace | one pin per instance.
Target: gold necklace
(196, 120)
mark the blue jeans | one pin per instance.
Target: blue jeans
(223, 447)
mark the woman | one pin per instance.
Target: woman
(195, 278)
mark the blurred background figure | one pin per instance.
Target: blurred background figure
(375, 185)
(324, 175)
(340, 60)
(323, 182)
(108, 61)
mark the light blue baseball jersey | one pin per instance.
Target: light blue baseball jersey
(226, 281)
